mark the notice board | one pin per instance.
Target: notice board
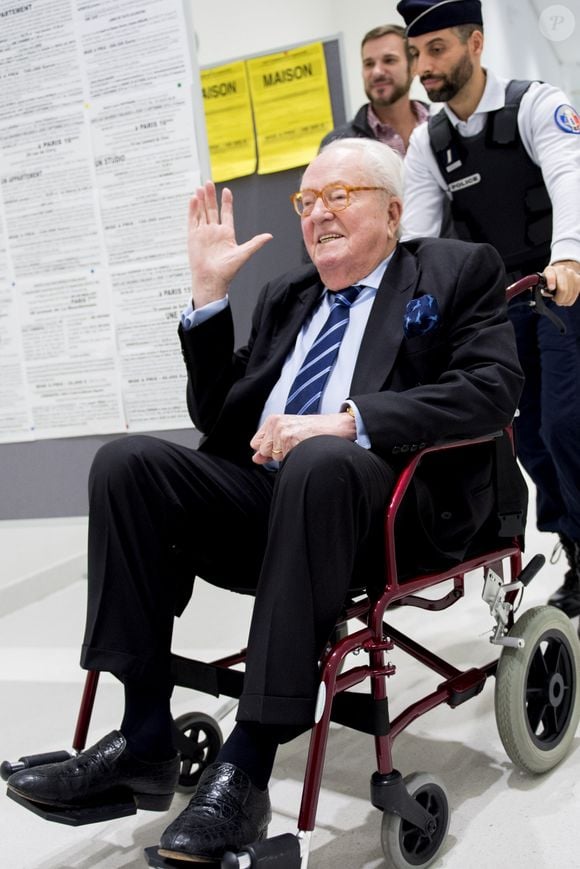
(139, 214)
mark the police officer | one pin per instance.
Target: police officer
(507, 157)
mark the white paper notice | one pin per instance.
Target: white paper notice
(70, 359)
(15, 419)
(98, 158)
(147, 302)
(40, 68)
(146, 171)
(133, 45)
(47, 188)
(3, 255)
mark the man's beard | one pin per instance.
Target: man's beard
(399, 90)
(451, 84)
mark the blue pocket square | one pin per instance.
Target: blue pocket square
(421, 316)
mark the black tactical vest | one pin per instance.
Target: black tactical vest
(498, 193)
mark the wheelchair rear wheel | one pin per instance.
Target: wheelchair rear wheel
(537, 702)
(405, 845)
(199, 739)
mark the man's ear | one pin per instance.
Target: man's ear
(394, 212)
(476, 42)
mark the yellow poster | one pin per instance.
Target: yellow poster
(292, 110)
(229, 123)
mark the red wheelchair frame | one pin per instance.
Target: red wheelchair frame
(375, 638)
(419, 816)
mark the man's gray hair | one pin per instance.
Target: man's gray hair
(380, 162)
(383, 164)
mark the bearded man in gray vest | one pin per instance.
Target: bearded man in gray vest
(506, 155)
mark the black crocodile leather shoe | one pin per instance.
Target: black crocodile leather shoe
(106, 771)
(226, 812)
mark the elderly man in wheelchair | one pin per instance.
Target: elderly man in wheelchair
(356, 363)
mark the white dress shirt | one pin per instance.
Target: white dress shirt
(554, 150)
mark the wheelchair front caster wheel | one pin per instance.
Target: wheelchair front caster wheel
(405, 845)
(537, 702)
(198, 740)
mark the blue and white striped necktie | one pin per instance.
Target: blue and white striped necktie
(306, 391)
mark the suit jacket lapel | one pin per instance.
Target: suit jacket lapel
(297, 306)
(384, 332)
(291, 313)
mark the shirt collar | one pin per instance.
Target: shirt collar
(420, 110)
(374, 279)
(492, 99)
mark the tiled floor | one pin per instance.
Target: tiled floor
(500, 817)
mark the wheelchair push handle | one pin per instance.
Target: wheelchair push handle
(535, 281)
(540, 291)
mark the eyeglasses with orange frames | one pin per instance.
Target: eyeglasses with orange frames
(335, 197)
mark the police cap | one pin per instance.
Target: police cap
(424, 16)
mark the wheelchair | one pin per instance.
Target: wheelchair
(537, 702)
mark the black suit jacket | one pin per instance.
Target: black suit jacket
(460, 380)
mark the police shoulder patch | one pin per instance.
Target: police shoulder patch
(567, 119)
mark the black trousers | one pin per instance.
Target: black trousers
(548, 427)
(298, 538)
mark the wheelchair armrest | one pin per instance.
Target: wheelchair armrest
(408, 471)
(406, 476)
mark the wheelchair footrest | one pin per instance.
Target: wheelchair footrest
(279, 852)
(153, 859)
(77, 816)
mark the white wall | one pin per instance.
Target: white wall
(515, 46)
